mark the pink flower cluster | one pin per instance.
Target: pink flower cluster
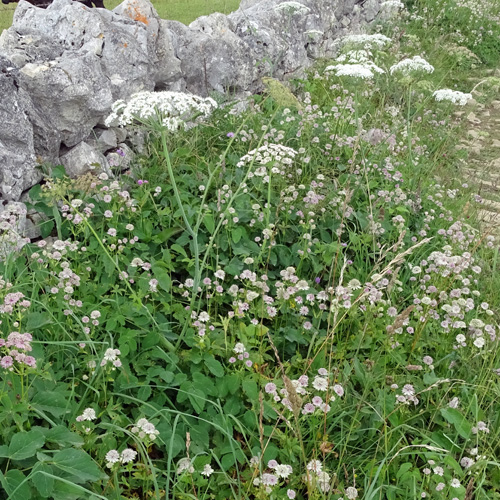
(12, 299)
(15, 348)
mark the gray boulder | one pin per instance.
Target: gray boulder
(72, 93)
(82, 159)
(18, 170)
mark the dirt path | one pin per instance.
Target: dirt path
(482, 167)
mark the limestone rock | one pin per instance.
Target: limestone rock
(82, 159)
(71, 93)
(18, 170)
(121, 159)
(68, 64)
(12, 228)
(102, 139)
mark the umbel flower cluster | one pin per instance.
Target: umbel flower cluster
(453, 96)
(14, 349)
(407, 67)
(366, 42)
(281, 158)
(292, 8)
(356, 62)
(365, 70)
(173, 110)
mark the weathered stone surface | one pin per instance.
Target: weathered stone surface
(121, 159)
(72, 93)
(12, 228)
(72, 62)
(102, 139)
(82, 159)
(17, 153)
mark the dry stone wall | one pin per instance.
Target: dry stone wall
(61, 69)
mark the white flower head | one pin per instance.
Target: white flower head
(366, 42)
(453, 96)
(88, 414)
(173, 110)
(353, 70)
(320, 383)
(112, 457)
(185, 465)
(239, 348)
(351, 493)
(292, 8)
(128, 455)
(410, 67)
(207, 470)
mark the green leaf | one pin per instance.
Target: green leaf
(109, 265)
(144, 393)
(25, 444)
(61, 435)
(50, 401)
(214, 366)
(43, 482)
(403, 469)
(58, 221)
(37, 320)
(250, 388)
(177, 248)
(162, 276)
(15, 484)
(209, 222)
(58, 172)
(454, 417)
(78, 464)
(237, 234)
(197, 399)
(4, 451)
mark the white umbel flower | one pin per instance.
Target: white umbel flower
(207, 470)
(88, 414)
(408, 67)
(362, 71)
(128, 455)
(351, 493)
(392, 5)
(366, 42)
(355, 56)
(173, 110)
(292, 8)
(453, 96)
(112, 457)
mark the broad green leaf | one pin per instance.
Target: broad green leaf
(209, 222)
(25, 444)
(144, 393)
(403, 469)
(41, 479)
(197, 399)
(51, 401)
(37, 320)
(251, 389)
(15, 484)
(78, 464)
(162, 276)
(4, 451)
(177, 248)
(461, 424)
(237, 234)
(61, 435)
(214, 366)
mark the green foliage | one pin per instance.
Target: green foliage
(216, 309)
